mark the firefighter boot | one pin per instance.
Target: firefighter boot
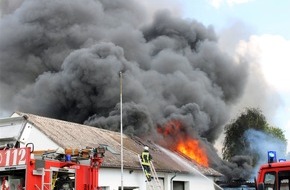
(148, 175)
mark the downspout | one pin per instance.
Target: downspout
(171, 181)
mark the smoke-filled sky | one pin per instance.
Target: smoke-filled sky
(62, 59)
(259, 30)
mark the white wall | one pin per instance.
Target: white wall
(111, 178)
(18, 129)
(11, 128)
(195, 181)
(40, 141)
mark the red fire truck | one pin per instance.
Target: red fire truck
(75, 169)
(274, 175)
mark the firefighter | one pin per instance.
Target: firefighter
(5, 184)
(145, 161)
(63, 183)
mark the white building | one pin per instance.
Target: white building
(174, 171)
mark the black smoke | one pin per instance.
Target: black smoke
(62, 59)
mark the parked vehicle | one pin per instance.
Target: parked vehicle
(22, 168)
(274, 175)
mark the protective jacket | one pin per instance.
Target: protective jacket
(146, 158)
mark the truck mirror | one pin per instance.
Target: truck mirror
(261, 186)
(31, 146)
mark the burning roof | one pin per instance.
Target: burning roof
(180, 141)
(73, 135)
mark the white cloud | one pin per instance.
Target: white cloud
(218, 3)
(231, 2)
(274, 59)
(258, 92)
(269, 57)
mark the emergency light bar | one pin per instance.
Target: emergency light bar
(272, 156)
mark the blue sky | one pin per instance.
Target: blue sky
(262, 16)
(259, 29)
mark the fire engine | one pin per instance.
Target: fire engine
(274, 175)
(72, 169)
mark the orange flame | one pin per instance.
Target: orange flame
(191, 148)
(183, 143)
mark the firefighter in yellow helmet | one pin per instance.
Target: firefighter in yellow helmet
(145, 160)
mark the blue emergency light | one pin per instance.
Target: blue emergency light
(272, 156)
(67, 157)
(282, 160)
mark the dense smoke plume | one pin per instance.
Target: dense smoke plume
(62, 59)
(260, 146)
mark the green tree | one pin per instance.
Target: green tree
(276, 132)
(235, 142)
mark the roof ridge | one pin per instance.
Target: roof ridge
(29, 115)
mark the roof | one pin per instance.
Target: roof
(73, 135)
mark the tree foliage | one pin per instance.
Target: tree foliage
(235, 142)
(276, 132)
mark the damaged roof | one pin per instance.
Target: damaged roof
(73, 135)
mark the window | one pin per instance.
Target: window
(63, 180)
(283, 180)
(270, 181)
(13, 179)
(103, 188)
(178, 185)
(128, 188)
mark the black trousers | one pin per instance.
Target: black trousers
(147, 169)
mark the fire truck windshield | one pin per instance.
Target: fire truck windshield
(12, 179)
(63, 180)
(270, 181)
(280, 180)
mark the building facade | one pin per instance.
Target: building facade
(174, 171)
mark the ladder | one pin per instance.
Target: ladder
(54, 178)
(154, 184)
(44, 185)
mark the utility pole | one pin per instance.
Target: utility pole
(121, 127)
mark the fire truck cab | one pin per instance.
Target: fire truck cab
(22, 168)
(274, 175)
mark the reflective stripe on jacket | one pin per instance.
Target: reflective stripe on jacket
(145, 157)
